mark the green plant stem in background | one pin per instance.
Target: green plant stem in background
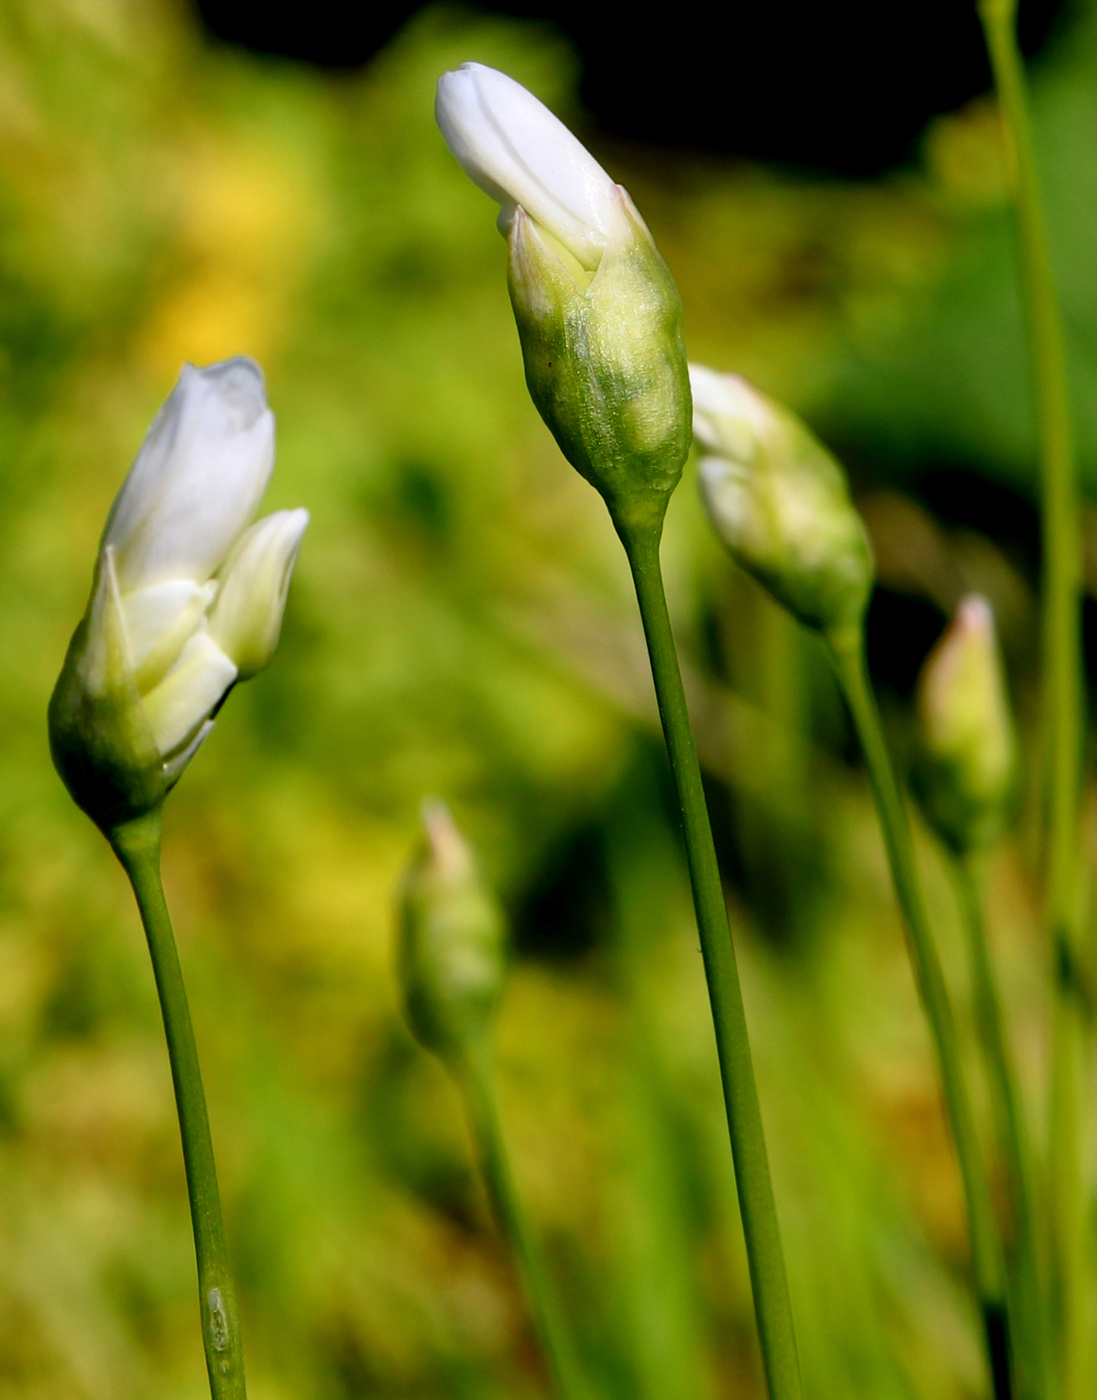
(137, 846)
(759, 1215)
(475, 1072)
(1029, 1316)
(847, 652)
(1062, 691)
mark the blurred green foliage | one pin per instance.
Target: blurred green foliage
(461, 623)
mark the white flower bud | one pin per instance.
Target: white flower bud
(145, 672)
(598, 314)
(967, 766)
(780, 502)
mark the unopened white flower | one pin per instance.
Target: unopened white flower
(779, 501)
(186, 601)
(598, 314)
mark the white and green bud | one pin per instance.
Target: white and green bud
(599, 316)
(780, 502)
(452, 941)
(186, 599)
(967, 760)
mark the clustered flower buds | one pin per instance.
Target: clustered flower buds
(780, 502)
(452, 941)
(598, 314)
(187, 600)
(968, 749)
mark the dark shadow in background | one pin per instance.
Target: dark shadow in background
(846, 87)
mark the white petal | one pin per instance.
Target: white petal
(246, 619)
(198, 478)
(159, 620)
(189, 692)
(512, 146)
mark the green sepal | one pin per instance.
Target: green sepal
(605, 362)
(100, 740)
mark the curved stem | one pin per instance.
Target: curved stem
(137, 846)
(475, 1074)
(847, 651)
(1063, 687)
(1012, 1130)
(756, 1205)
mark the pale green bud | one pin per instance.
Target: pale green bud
(451, 956)
(599, 316)
(780, 502)
(146, 672)
(967, 767)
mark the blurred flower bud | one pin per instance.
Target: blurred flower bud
(780, 502)
(452, 940)
(598, 314)
(967, 761)
(146, 670)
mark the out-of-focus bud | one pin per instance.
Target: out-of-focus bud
(967, 764)
(598, 314)
(146, 670)
(452, 941)
(780, 502)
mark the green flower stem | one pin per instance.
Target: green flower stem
(1029, 1315)
(137, 846)
(475, 1073)
(1063, 694)
(759, 1215)
(847, 652)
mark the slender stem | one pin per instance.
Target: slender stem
(756, 1205)
(1012, 1130)
(1063, 694)
(137, 846)
(476, 1075)
(847, 651)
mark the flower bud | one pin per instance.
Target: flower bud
(967, 763)
(599, 317)
(780, 502)
(451, 955)
(146, 671)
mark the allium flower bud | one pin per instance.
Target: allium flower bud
(780, 502)
(598, 314)
(967, 765)
(186, 599)
(452, 940)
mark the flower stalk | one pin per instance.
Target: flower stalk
(765, 1258)
(1063, 703)
(136, 843)
(847, 652)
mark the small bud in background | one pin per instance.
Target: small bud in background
(599, 317)
(780, 502)
(451, 955)
(186, 600)
(967, 764)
